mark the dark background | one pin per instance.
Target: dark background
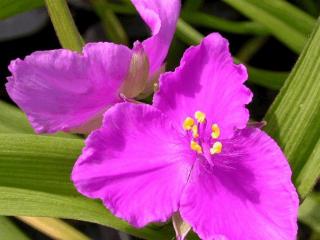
(272, 56)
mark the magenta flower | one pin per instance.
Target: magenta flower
(192, 153)
(64, 90)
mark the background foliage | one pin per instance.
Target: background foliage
(278, 41)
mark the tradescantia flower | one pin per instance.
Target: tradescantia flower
(65, 90)
(192, 154)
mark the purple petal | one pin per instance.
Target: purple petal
(136, 163)
(61, 89)
(248, 194)
(208, 81)
(161, 17)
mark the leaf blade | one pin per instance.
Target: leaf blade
(293, 118)
(8, 230)
(35, 181)
(280, 27)
(10, 8)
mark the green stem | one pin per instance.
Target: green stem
(64, 25)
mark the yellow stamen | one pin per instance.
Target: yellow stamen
(188, 123)
(215, 131)
(195, 132)
(195, 146)
(200, 116)
(216, 148)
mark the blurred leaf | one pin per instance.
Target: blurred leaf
(112, 25)
(269, 79)
(186, 33)
(12, 120)
(121, 8)
(309, 212)
(294, 117)
(10, 8)
(192, 5)
(311, 6)
(210, 21)
(286, 22)
(288, 13)
(250, 48)
(9, 231)
(54, 228)
(35, 181)
(64, 25)
(23, 24)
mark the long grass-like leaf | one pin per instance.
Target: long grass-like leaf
(287, 23)
(35, 181)
(9, 231)
(10, 8)
(210, 21)
(309, 212)
(294, 117)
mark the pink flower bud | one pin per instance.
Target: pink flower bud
(138, 74)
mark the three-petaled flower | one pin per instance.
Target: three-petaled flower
(192, 153)
(61, 90)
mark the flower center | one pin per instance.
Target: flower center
(197, 125)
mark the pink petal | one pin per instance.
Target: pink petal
(62, 90)
(137, 164)
(208, 81)
(161, 17)
(248, 194)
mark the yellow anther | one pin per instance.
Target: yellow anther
(216, 148)
(188, 123)
(200, 116)
(195, 146)
(195, 132)
(215, 131)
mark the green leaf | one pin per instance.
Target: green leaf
(12, 120)
(288, 13)
(192, 5)
(35, 181)
(10, 8)
(9, 231)
(54, 228)
(294, 117)
(250, 48)
(210, 21)
(186, 33)
(286, 22)
(64, 25)
(309, 212)
(266, 78)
